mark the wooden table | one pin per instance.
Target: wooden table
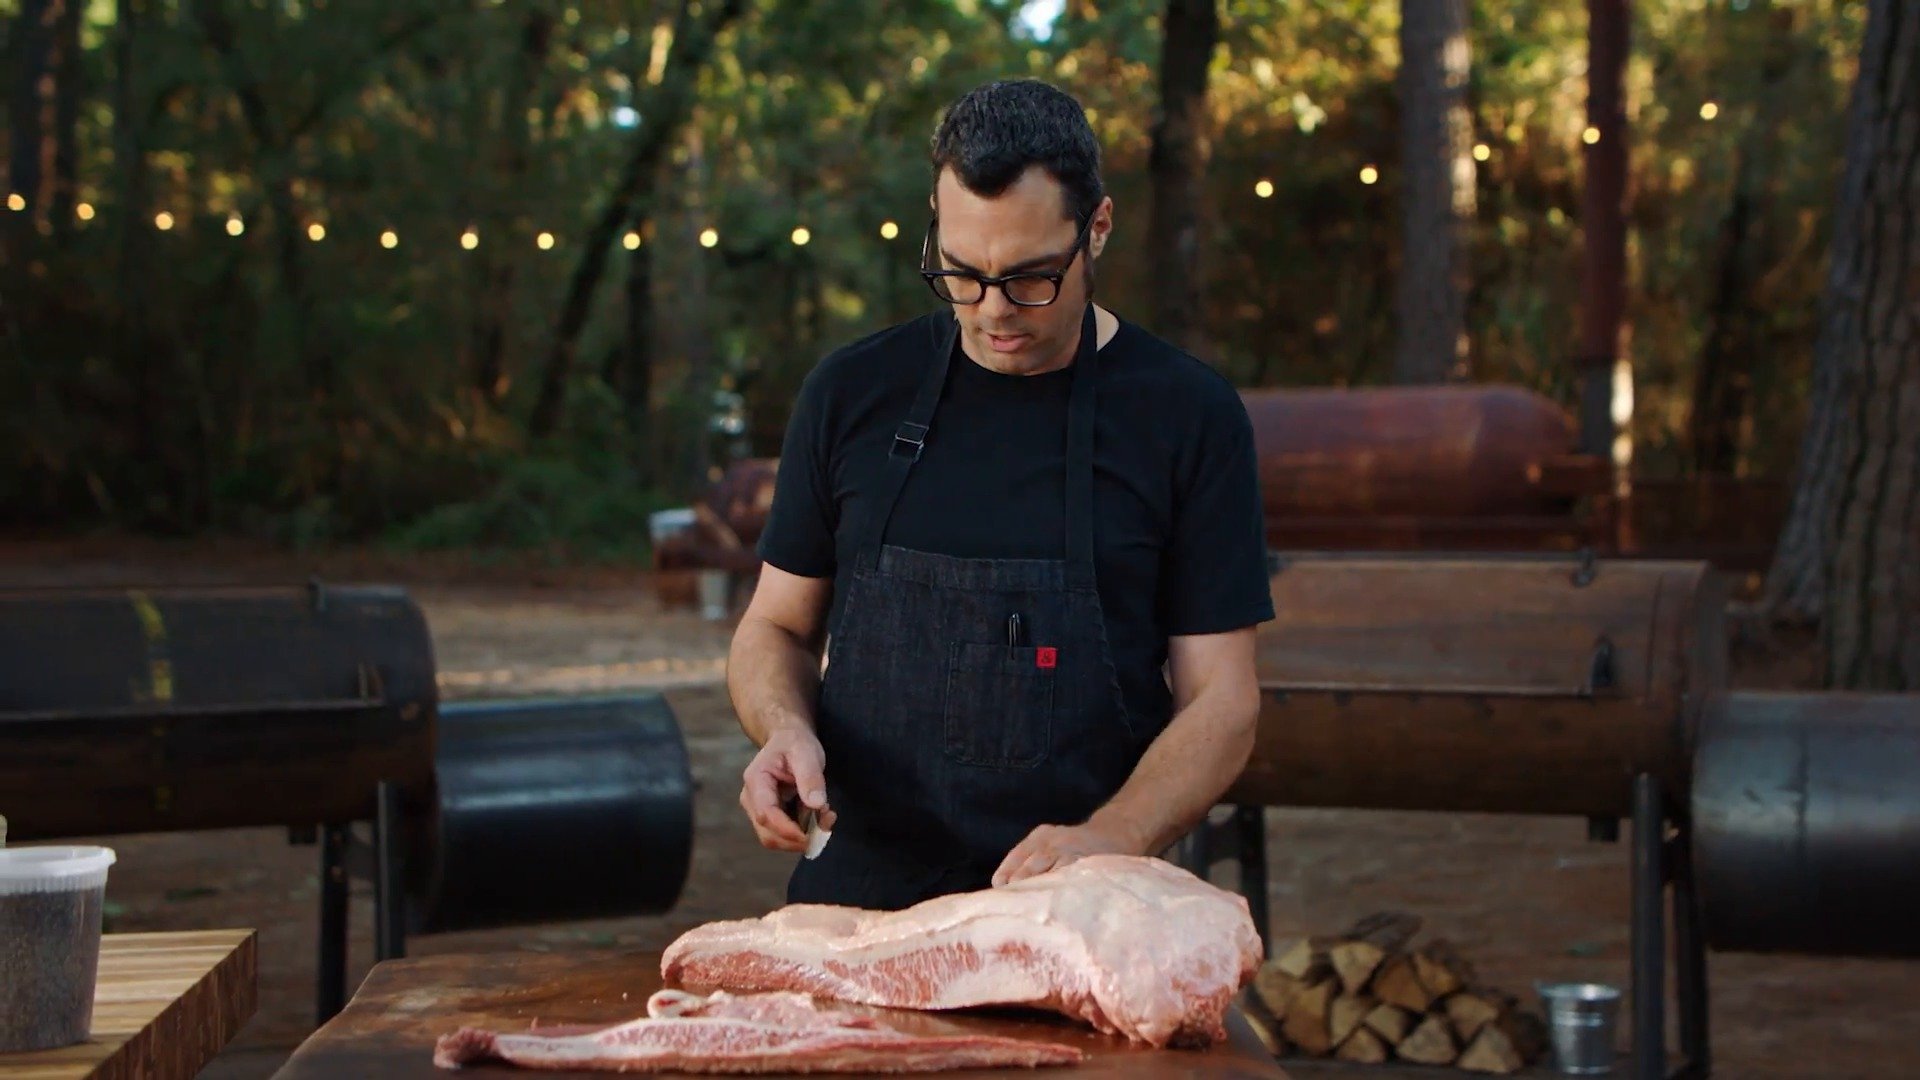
(163, 1005)
(388, 1030)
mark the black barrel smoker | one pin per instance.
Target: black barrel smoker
(1562, 685)
(315, 708)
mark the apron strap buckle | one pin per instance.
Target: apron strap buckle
(910, 435)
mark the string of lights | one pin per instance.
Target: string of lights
(545, 240)
(710, 237)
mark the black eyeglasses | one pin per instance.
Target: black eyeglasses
(1029, 288)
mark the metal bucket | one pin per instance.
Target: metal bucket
(1580, 1023)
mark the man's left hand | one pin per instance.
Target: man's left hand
(1050, 847)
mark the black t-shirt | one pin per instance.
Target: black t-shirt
(1179, 540)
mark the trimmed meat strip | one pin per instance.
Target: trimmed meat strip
(1134, 946)
(741, 1034)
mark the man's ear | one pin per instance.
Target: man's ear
(1102, 226)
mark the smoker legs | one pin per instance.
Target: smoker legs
(1658, 862)
(1649, 925)
(331, 993)
(1250, 828)
(1690, 960)
(390, 914)
(343, 856)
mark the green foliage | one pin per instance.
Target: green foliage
(329, 390)
(547, 505)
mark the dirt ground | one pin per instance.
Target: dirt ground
(1524, 898)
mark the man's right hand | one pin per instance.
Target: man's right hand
(790, 763)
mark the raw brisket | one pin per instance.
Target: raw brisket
(1134, 946)
(754, 1033)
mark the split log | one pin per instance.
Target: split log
(1274, 988)
(1471, 1010)
(1391, 930)
(1363, 1046)
(1346, 1015)
(1306, 1025)
(1390, 1022)
(1505, 1045)
(1397, 983)
(1441, 968)
(1355, 962)
(1304, 959)
(1267, 1030)
(1430, 1044)
(1361, 948)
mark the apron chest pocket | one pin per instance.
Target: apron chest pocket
(999, 709)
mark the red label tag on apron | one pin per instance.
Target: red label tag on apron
(1044, 657)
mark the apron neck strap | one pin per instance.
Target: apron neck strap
(1080, 414)
(910, 438)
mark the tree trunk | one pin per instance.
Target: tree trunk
(275, 164)
(692, 338)
(63, 122)
(1722, 383)
(634, 382)
(147, 365)
(1873, 576)
(30, 52)
(1603, 222)
(497, 264)
(1436, 142)
(665, 110)
(1177, 165)
(1797, 581)
(1734, 344)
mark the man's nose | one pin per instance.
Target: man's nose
(995, 305)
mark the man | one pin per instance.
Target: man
(1020, 517)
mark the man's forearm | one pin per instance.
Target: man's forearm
(1184, 773)
(773, 678)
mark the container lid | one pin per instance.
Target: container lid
(53, 868)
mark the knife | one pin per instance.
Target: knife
(817, 837)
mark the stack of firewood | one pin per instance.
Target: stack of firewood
(1369, 995)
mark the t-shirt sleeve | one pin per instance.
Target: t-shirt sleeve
(799, 537)
(1215, 573)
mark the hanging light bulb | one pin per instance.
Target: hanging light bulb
(316, 232)
(1369, 175)
(469, 239)
(1264, 188)
(801, 235)
(889, 230)
(545, 240)
(84, 211)
(163, 221)
(1709, 110)
(235, 226)
(389, 239)
(16, 201)
(1591, 135)
(631, 241)
(1481, 151)
(709, 237)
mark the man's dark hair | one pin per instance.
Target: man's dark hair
(994, 132)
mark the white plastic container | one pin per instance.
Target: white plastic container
(51, 904)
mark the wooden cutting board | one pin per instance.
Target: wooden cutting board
(163, 1006)
(388, 1030)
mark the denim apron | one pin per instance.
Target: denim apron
(965, 701)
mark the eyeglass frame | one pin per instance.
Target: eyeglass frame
(985, 282)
